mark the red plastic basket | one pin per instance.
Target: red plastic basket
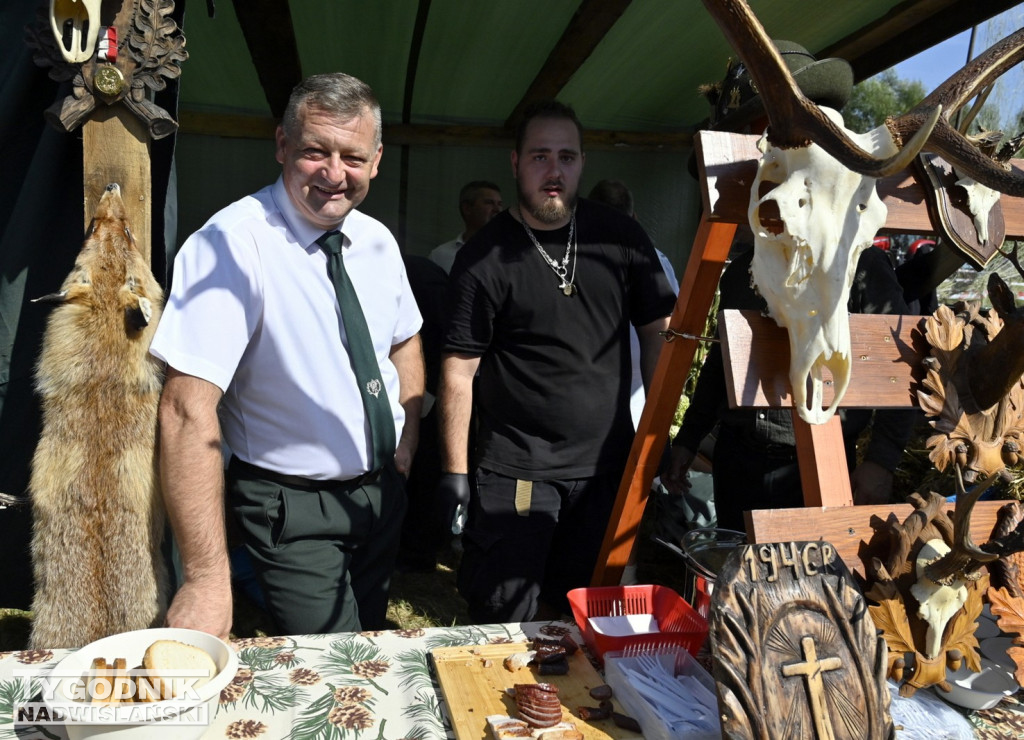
(678, 622)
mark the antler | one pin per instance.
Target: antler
(965, 557)
(795, 120)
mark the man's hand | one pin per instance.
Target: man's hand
(203, 605)
(871, 484)
(453, 493)
(676, 479)
(404, 455)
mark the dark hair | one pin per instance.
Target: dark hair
(336, 93)
(471, 189)
(546, 109)
(613, 193)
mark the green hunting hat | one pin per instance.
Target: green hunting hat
(735, 102)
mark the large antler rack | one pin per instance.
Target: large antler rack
(795, 120)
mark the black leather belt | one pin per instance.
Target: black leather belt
(240, 467)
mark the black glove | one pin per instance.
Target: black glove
(453, 493)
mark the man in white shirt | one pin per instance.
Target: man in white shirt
(479, 202)
(253, 331)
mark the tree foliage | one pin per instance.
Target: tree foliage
(883, 95)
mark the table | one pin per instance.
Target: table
(349, 685)
(377, 686)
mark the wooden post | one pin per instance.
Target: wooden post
(116, 148)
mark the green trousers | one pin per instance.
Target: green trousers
(323, 555)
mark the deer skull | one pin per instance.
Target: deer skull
(936, 603)
(829, 216)
(84, 19)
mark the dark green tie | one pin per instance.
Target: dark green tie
(361, 353)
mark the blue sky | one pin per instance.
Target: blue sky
(934, 66)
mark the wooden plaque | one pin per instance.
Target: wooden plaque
(796, 654)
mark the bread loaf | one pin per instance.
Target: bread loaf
(172, 655)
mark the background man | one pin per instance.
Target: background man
(253, 325)
(615, 194)
(541, 302)
(479, 202)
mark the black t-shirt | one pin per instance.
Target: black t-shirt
(552, 396)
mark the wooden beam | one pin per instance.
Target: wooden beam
(238, 126)
(848, 528)
(592, 20)
(887, 354)
(910, 28)
(270, 36)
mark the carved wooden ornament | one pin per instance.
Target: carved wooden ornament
(142, 48)
(795, 653)
(927, 618)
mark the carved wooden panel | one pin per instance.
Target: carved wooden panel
(795, 652)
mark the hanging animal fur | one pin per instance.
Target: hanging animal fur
(98, 515)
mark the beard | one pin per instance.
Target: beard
(548, 210)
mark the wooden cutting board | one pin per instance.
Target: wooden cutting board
(473, 681)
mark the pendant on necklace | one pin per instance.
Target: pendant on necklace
(567, 288)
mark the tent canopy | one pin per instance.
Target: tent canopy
(452, 77)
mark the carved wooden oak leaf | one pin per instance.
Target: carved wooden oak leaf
(960, 634)
(1009, 611)
(890, 616)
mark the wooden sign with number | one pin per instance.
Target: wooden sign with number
(795, 651)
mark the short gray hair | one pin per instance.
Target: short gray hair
(336, 93)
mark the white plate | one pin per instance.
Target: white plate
(625, 625)
(982, 690)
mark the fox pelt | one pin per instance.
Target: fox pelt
(96, 502)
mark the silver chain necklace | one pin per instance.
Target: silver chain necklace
(560, 269)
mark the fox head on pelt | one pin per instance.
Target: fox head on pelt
(110, 269)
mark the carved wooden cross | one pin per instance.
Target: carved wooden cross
(811, 669)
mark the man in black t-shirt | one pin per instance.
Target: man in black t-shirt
(541, 303)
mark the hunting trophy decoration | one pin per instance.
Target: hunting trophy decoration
(113, 52)
(799, 253)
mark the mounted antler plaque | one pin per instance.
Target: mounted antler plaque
(795, 652)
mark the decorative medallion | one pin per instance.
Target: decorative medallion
(373, 387)
(108, 80)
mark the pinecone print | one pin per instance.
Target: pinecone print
(411, 634)
(304, 677)
(234, 690)
(286, 658)
(351, 695)
(259, 642)
(245, 728)
(373, 633)
(370, 668)
(32, 657)
(351, 717)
